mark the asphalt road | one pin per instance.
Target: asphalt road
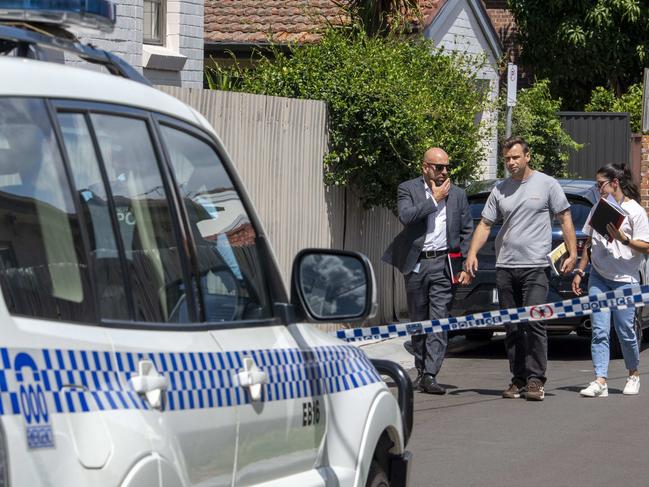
(473, 437)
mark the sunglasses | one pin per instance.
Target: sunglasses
(601, 184)
(440, 167)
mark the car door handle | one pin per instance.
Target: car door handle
(252, 378)
(148, 382)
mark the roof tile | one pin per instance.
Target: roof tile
(253, 21)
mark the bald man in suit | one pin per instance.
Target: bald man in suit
(436, 217)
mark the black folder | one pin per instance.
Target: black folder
(606, 213)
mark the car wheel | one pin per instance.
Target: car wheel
(637, 324)
(645, 331)
(616, 348)
(479, 335)
(377, 476)
(645, 334)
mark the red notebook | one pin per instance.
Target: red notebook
(454, 266)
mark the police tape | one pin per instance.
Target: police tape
(618, 299)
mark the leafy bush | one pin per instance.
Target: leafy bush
(603, 100)
(389, 100)
(535, 117)
(217, 77)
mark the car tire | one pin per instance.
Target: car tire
(639, 332)
(616, 348)
(377, 476)
(479, 335)
(645, 334)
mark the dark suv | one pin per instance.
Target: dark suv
(482, 294)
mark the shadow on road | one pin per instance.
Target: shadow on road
(560, 347)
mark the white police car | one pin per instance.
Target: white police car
(147, 338)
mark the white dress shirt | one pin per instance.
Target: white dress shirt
(436, 231)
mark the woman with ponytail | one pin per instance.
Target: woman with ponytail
(615, 265)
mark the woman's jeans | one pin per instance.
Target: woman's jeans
(601, 322)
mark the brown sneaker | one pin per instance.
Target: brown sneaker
(513, 391)
(535, 391)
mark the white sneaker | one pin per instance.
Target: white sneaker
(632, 386)
(595, 389)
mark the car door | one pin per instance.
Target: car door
(280, 413)
(148, 307)
(68, 420)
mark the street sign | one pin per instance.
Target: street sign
(512, 80)
(645, 102)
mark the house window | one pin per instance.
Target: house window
(154, 21)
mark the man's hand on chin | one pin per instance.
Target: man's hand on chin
(440, 192)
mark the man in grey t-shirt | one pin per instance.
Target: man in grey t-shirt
(525, 202)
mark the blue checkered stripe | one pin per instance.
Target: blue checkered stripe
(618, 299)
(80, 381)
(72, 381)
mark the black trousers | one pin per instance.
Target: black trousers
(429, 294)
(526, 343)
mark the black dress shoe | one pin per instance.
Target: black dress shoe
(408, 346)
(417, 380)
(429, 385)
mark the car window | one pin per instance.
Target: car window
(476, 207)
(84, 166)
(232, 280)
(144, 219)
(43, 272)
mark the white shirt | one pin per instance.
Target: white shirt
(436, 231)
(615, 261)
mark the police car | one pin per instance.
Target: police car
(147, 337)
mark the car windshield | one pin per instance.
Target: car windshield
(578, 208)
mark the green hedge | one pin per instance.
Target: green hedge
(604, 100)
(389, 100)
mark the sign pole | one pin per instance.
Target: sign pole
(645, 101)
(512, 80)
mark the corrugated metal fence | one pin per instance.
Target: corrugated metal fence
(606, 137)
(278, 145)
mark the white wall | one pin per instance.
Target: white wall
(457, 29)
(179, 62)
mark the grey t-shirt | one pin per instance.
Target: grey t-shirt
(525, 208)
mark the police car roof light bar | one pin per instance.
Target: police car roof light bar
(82, 14)
(22, 40)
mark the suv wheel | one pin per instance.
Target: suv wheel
(377, 476)
(645, 331)
(479, 335)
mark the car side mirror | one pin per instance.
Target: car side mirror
(333, 285)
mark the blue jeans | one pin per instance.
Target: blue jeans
(623, 320)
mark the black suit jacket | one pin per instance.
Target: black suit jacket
(414, 208)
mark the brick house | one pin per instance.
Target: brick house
(240, 26)
(162, 38)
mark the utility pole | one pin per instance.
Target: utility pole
(512, 80)
(645, 101)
